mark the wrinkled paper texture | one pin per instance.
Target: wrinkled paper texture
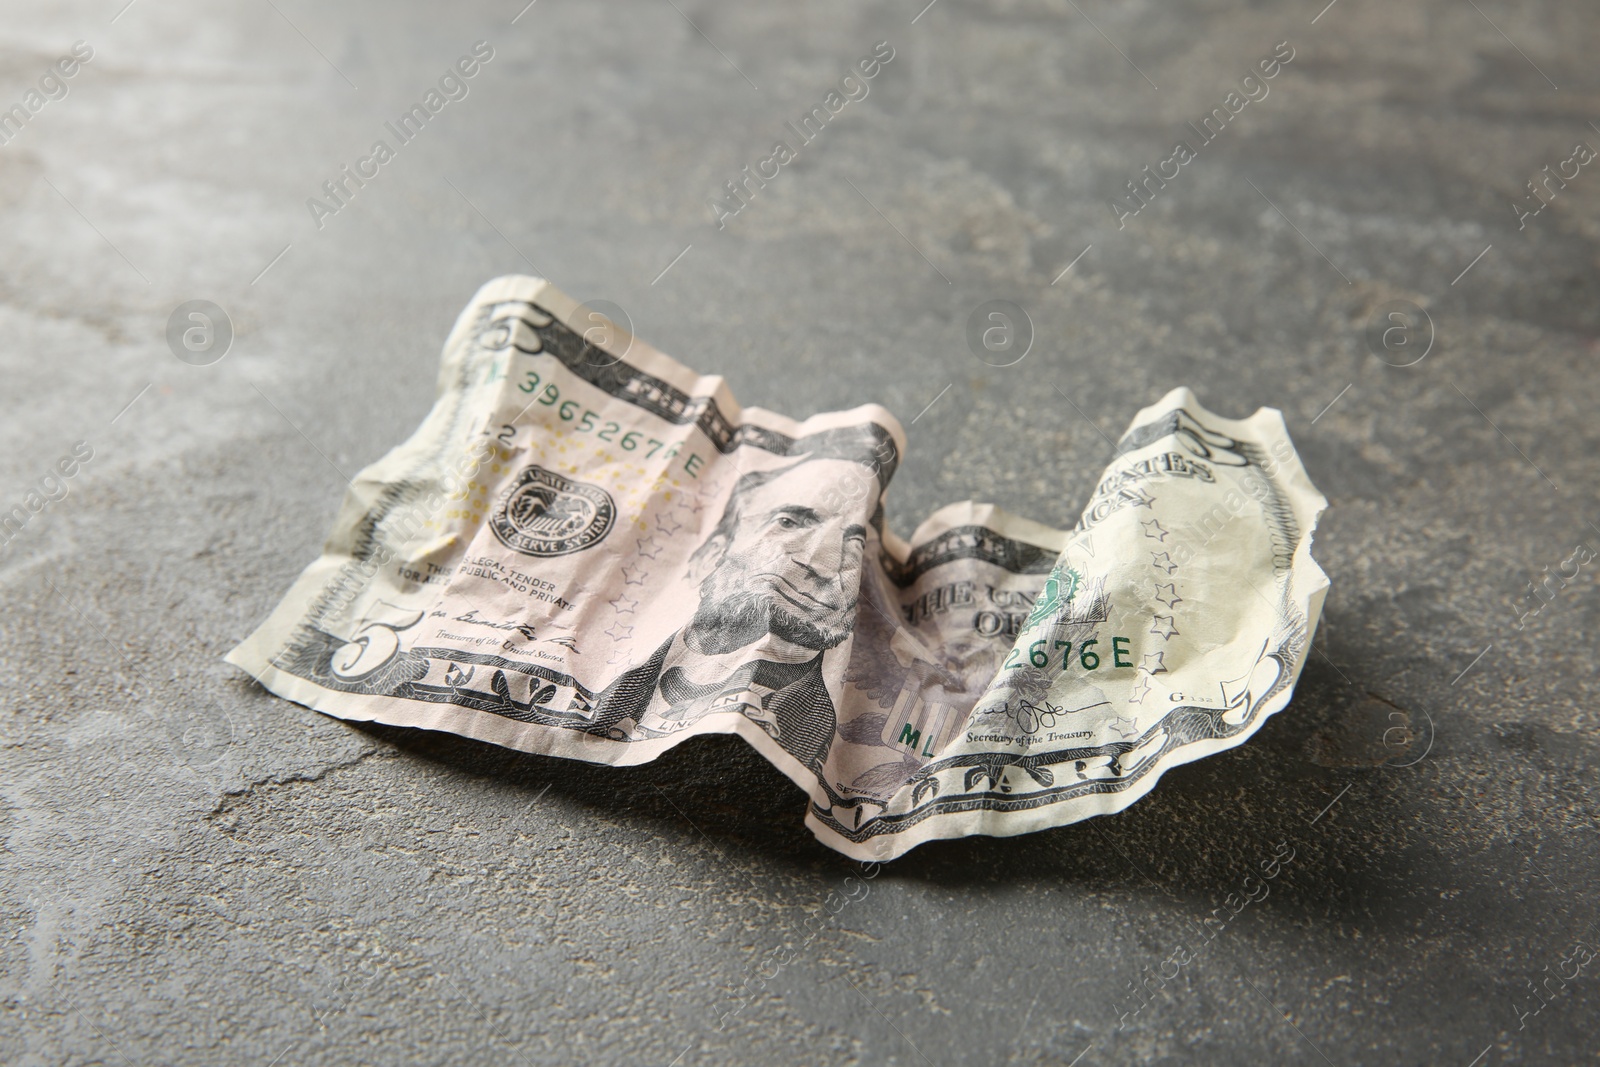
(588, 550)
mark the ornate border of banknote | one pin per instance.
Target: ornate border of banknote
(589, 550)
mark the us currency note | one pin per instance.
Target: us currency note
(588, 550)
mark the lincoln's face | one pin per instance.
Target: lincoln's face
(787, 567)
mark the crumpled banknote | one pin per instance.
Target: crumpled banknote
(589, 550)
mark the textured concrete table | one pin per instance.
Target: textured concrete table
(197, 873)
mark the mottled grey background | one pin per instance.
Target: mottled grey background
(197, 873)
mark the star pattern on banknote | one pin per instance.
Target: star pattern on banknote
(666, 524)
(648, 547)
(1161, 626)
(1153, 528)
(618, 632)
(623, 604)
(1141, 689)
(632, 575)
(1125, 731)
(1154, 662)
(1171, 597)
(1142, 499)
(1163, 560)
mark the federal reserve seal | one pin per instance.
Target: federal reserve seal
(545, 514)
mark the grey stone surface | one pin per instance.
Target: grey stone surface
(197, 873)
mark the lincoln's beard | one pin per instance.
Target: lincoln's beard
(731, 616)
